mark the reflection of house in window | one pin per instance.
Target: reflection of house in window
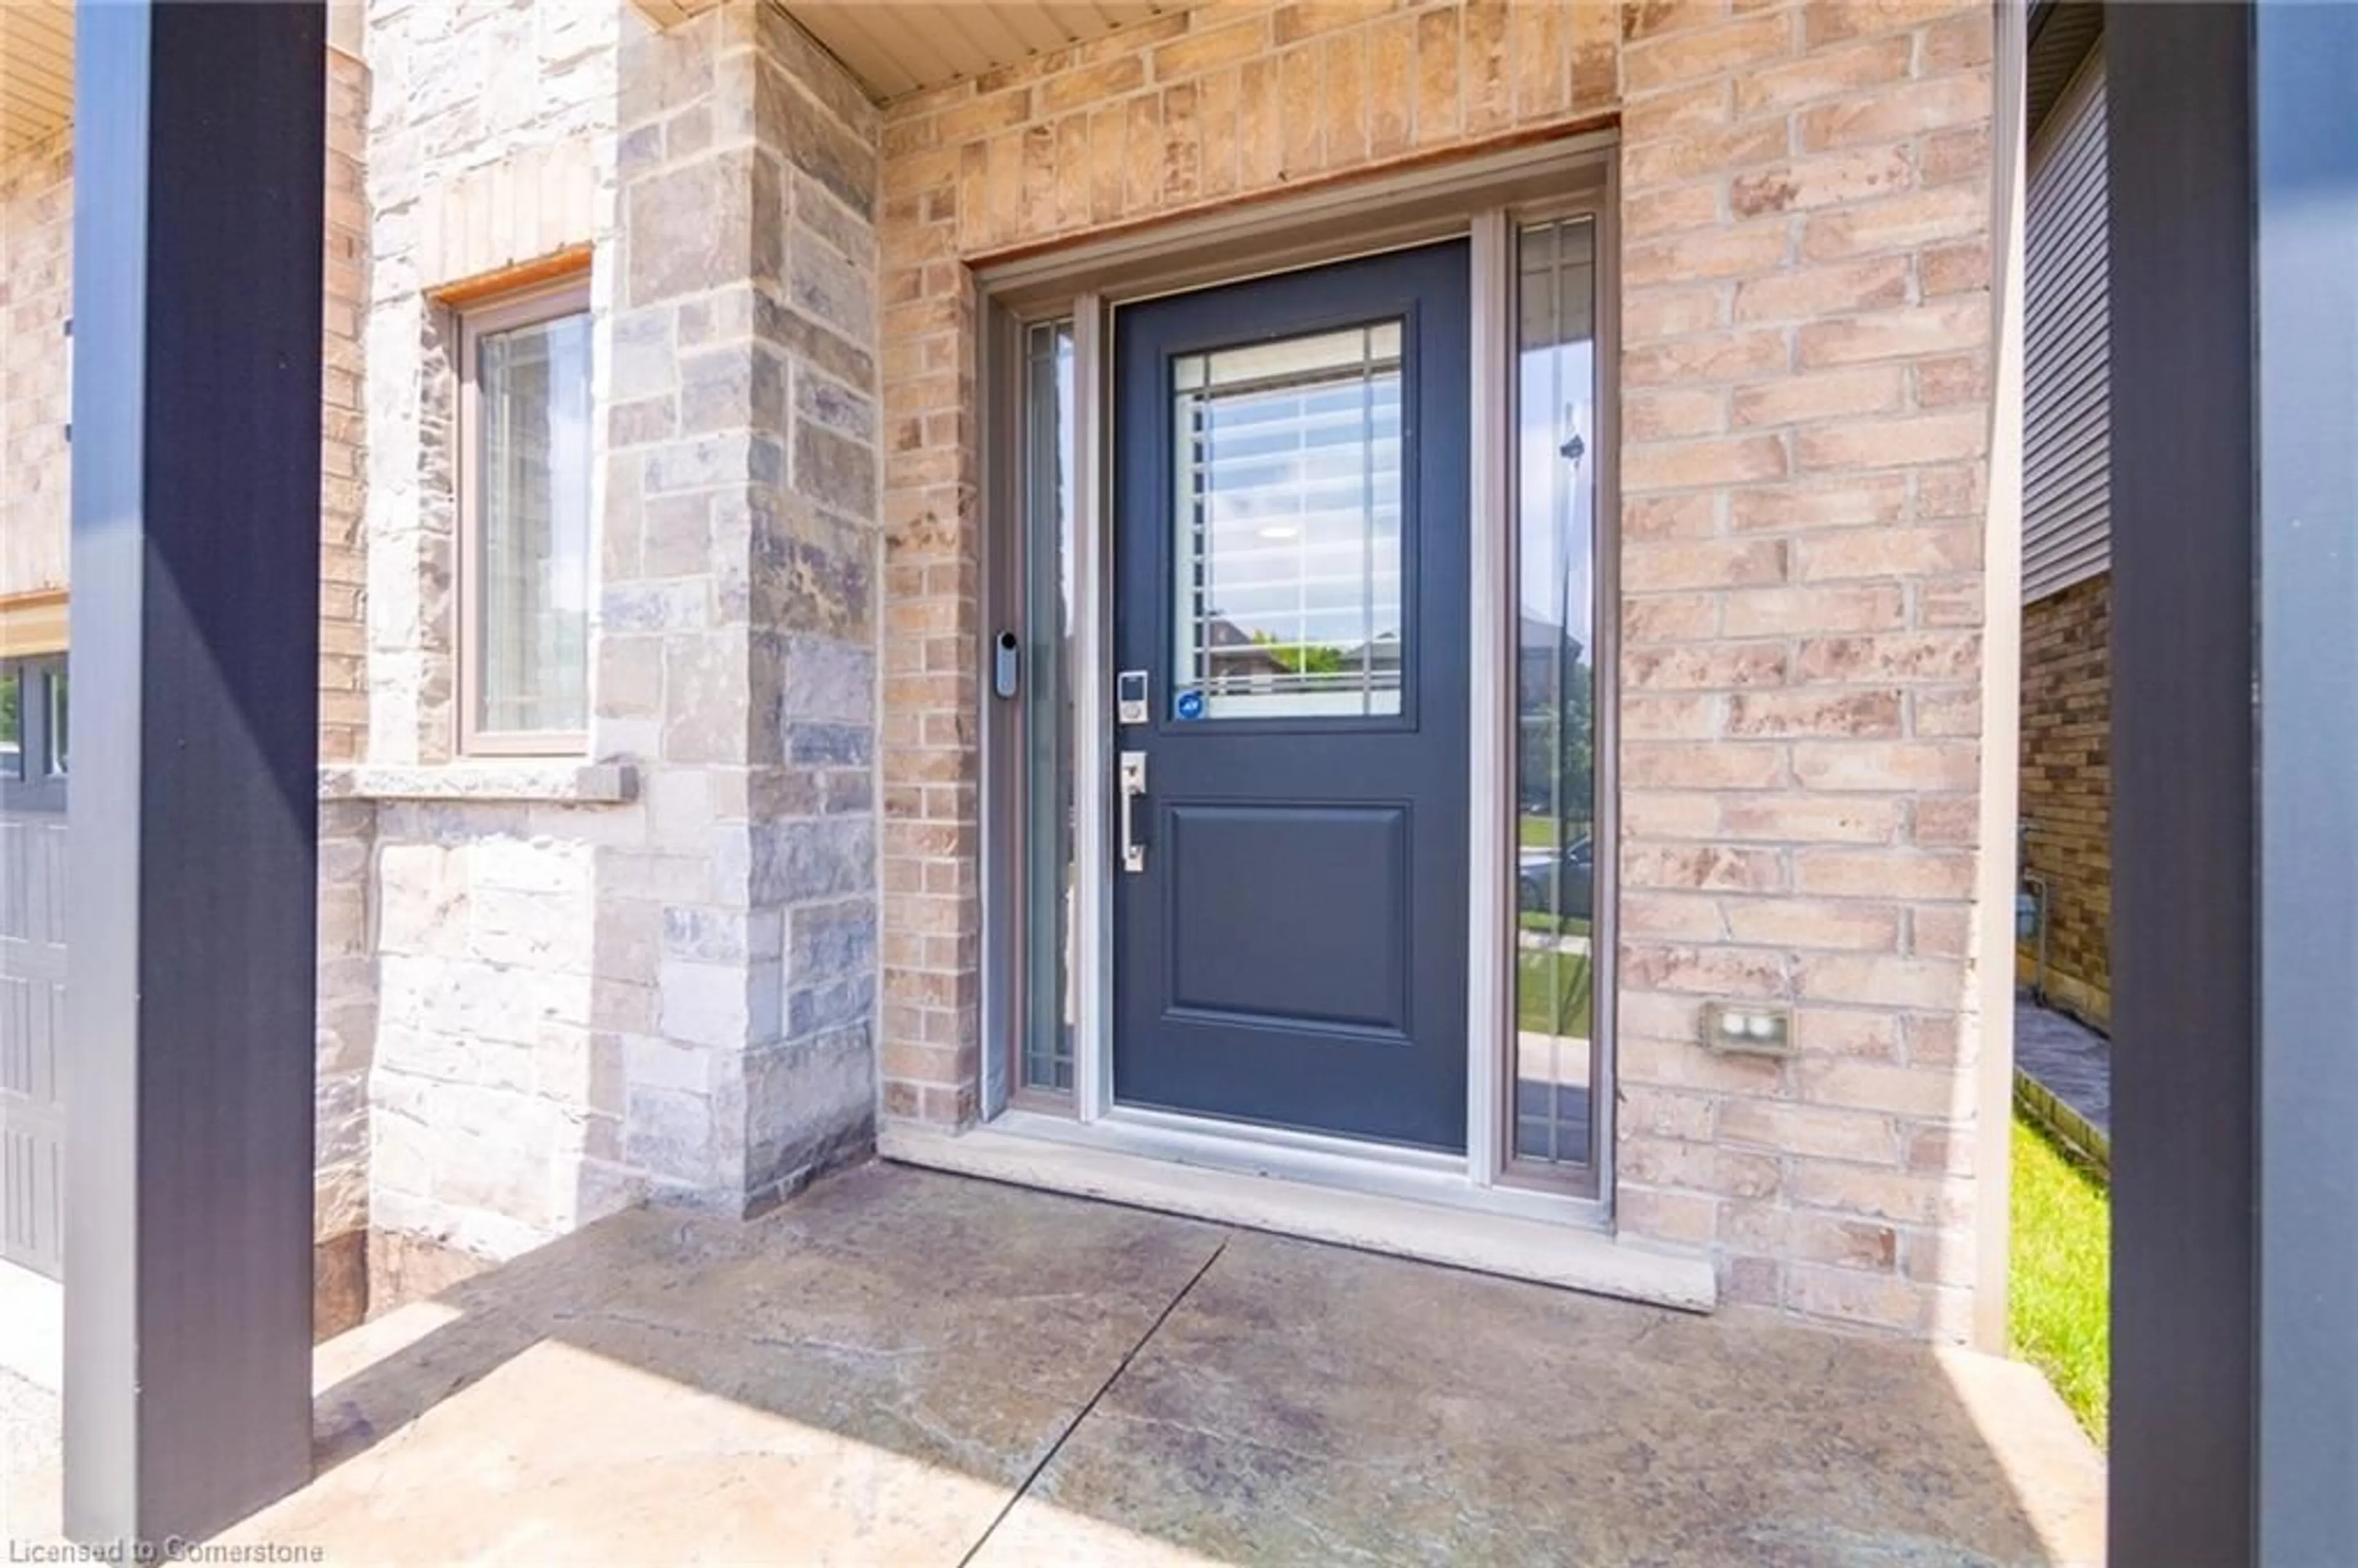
(1544, 655)
(1555, 760)
(1233, 656)
(1380, 659)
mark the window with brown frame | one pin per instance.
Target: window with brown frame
(525, 542)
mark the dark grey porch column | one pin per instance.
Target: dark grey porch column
(2234, 341)
(195, 663)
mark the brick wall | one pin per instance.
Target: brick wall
(1806, 373)
(1167, 116)
(2067, 782)
(346, 1039)
(36, 456)
(36, 299)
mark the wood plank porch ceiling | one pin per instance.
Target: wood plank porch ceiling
(36, 70)
(894, 47)
(899, 47)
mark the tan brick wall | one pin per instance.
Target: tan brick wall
(345, 1043)
(2067, 788)
(1805, 376)
(1806, 372)
(35, 297)
(1168, 117)
(36, 458)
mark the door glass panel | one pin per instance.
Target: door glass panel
(1288, 516)
(1048, 611)
(1555, 712)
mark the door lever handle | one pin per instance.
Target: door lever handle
(1133, 789)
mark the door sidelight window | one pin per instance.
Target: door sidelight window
(1048, 587)
(1555, 395)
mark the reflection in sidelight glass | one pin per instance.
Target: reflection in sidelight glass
(1289, 517)
(1048, 612)
(1555, 1069)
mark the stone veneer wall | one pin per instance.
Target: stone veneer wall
(584, 1001)
(484, 1121)
(2067, 791)
(737, 657)
(1805, 375)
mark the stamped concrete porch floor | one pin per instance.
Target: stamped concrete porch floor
(909, 1368)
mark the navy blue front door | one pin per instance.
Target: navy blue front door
(1291, 565)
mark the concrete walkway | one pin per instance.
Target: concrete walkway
(907, 1368)
(2071, 1064)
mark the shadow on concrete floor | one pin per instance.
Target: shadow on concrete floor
(909, 1368)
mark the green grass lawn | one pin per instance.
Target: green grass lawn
(1536, 832)
(2059, 1315)
(1551, 992)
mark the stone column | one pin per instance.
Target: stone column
(738, 660)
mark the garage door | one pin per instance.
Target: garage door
(32, 960)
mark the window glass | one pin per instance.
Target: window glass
(1048, 618)
(54, 683)
(1555, 698)
(1287, 514)
(531, 536)
(12, 725)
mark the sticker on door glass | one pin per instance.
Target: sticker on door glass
(1190, 705)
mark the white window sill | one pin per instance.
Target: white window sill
(476, 779)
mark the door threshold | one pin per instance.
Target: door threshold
(1026, 1149)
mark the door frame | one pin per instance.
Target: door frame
(1481, 199)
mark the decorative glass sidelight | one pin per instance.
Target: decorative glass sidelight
(1049, 612)
(1288, 512)
(1556, 1075)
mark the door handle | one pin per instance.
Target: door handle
(1133, 789)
